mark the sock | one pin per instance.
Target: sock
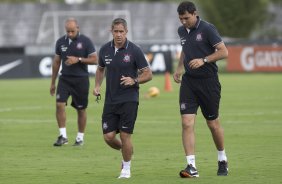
(63, 132)
(221, 155)
(191, 160)
(79, 136)
(126, 165)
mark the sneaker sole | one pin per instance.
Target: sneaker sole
(222, 174)
(184, 174)
(60, 144)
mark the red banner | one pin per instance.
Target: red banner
(254, 59)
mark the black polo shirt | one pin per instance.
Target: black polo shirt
(199, 43)
(126, 61)
(81, 46)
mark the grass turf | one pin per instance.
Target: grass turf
(250, 112)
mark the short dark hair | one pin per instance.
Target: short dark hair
(186, 6)
(119, 21)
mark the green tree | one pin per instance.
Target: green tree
(235, 18)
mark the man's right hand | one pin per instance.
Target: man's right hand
(96, 91)
(177, 77)
(52, 89)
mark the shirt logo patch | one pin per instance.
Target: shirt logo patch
(182, 41)
(64, 48)
(199, 37)
(108, 59)
(79, 45)
(126, 58)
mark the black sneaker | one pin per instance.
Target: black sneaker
(189, 172)
(60, 141)
(222, 168)
(78, 143)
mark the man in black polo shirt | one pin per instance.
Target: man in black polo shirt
(74, 52)
(202, 46)
(126, 69)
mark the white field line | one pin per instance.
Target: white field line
(26, 121)
(163, 122)
(24, 108)
(144, 119)
(198, 121)
(252, 113)
(20, 120)
(9, 109)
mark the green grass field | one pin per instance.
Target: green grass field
(251, 110)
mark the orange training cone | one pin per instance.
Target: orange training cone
(167, 86)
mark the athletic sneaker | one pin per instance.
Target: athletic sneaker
(222, 168)
(189, 172)
(60, 141)
(125, 173)
(78, 143)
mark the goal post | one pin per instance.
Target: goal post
(95, 24)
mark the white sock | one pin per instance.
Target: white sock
(126, 165)
(221, 155)
(79, 136)
(191, 160)
(63, 132)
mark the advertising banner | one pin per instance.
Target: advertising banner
(40, 66)
(254, 59)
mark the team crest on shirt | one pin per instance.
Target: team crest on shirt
(126, 58)
(79, 45)
(199, 37)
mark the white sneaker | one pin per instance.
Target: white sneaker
(125, 173)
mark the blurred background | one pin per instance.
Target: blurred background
(251, 29)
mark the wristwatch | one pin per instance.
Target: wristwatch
(79, 59)
(205, 60)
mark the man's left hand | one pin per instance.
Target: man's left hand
(71, 60)
(127, 81)
(196, 63)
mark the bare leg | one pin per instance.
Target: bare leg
(217, 133)
(126, 150)
(81, 120)
(61, 114)
(188, 135)
(188, 140)
(112, 141)
(127, 147)
(61, 120)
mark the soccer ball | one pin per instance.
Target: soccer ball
(153, 92)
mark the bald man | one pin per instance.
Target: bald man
(73, 53)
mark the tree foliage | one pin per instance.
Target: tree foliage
(235, 18)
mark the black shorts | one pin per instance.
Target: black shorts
(200, 92)
(119, 117)
(76, 87)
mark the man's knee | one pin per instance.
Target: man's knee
(188, 121)
(213, 124)
(125, 136)
(60, 106)
(109, 137)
